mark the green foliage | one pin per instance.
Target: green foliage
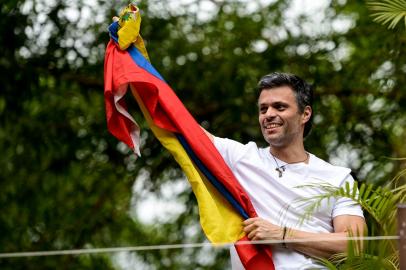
(380, 203)
(388, 12)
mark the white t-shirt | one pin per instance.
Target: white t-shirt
(280, 199)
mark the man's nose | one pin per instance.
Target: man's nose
(270, 112)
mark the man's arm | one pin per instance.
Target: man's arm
(344, 225)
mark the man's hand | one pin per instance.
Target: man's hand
(261, 229)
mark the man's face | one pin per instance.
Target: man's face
(279, 117)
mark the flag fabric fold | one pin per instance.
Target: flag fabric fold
(223, 203)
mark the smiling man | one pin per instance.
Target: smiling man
(274, 177)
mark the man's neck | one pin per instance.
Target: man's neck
(290, 154)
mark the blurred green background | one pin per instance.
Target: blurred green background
(66, 183)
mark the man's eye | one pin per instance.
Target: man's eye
(263, 110)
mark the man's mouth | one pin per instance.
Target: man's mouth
(272, 125)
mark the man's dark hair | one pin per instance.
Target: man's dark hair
(303, 91)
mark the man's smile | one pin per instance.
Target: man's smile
(272, 125)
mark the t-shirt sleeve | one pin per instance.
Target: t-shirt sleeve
(347, 206)
(230, 150)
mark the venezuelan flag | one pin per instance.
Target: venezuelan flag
(223, 204)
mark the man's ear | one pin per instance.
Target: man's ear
(307, 113)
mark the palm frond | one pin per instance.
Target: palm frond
(398, 176)
(379, 202)
(327, 263)
(373, 256)
(388, 11)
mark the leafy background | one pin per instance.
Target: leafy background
(66, 183)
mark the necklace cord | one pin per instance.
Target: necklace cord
(281, 169)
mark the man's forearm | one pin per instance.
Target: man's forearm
(310, 243)
(326, 244)
(317, 244)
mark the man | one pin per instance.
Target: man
(274, 178)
